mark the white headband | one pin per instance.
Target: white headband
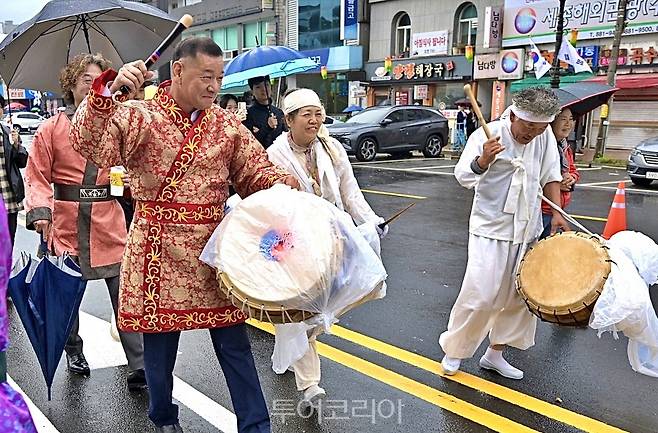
(301, 98)
(531, 117)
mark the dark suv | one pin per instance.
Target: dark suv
(396, 130)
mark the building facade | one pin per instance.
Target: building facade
(334, 33)
(421, 51)
(632, 114)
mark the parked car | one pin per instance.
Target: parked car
(395, 130)
(330, 120)
(24, 121)
(642, 164)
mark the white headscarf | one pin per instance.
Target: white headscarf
(301, 98)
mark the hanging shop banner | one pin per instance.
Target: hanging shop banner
(349, 29)
(493, 27)
(429, 43)
(511, 64)
(594, 19)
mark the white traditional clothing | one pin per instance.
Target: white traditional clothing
(322, 169)
(504, 219)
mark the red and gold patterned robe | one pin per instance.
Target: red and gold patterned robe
(179, 172)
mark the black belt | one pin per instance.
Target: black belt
(82, 193)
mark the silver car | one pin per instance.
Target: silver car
(642, 164)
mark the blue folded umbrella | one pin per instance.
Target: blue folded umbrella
(47, 293)
(275, 61)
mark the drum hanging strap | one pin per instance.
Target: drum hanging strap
(568, 217)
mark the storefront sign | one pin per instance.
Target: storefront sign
(430, 69)
(17, 94)
(594, 19)
(511, 64)
(401, 98)
(429, 44)
(421, 91)
(497, 99)
(493, 27)
(415, 71)
(218, 10)
(486, 66)
(349, 25)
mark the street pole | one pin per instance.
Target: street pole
(612, 72)
(555, 69)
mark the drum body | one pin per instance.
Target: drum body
(561, 277)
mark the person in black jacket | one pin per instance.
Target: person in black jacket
(13, 157)
(264, 120)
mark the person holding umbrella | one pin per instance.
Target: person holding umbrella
(68, 202)
(264, 120)
(562, 126)
(181, 152)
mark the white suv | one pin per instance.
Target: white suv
(24, 122)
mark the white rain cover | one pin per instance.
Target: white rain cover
(295, 249)
(625, 305)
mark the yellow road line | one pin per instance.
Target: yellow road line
(434, 396)
(394, 194)
(589, 218)
(509, 395)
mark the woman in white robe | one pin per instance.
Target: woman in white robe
(322, 167)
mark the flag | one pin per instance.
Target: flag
(540, 64)
(569, 55)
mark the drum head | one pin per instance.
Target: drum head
(564, 273)
(280, 248)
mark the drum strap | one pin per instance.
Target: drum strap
(568, 217)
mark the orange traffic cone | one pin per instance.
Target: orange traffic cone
(617, 216)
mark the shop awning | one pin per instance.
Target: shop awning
(630, 81)
(531, 81)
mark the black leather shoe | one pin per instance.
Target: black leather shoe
(77, 364)
(173, 428)
(136, 380)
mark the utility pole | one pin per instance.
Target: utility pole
(612, 72)
(555, 69)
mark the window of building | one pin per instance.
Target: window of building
(318, 24)
(227, 39)
(466, 25)
(402, 34)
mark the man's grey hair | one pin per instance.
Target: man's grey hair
(537, 100)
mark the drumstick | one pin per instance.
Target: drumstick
(476, 109)
(183, 23)
(395, 216)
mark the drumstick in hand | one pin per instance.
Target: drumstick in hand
(395, 216)
(476, 108)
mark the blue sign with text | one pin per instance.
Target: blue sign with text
(350, 26)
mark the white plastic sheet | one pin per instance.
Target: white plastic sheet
(625, 305)
(300, 251)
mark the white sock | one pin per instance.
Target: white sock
(495, 356)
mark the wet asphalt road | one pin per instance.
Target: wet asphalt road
(398, 390)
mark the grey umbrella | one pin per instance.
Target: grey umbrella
(35, 52)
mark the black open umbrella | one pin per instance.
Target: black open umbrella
(122, 31)
(583, 97)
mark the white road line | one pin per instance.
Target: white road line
(609, 182)
(41, 422)
(205, 407)
(102, 351)
(408, 170)
(390, 161)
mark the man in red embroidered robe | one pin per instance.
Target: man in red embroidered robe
(181, 152)
(68, 201)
